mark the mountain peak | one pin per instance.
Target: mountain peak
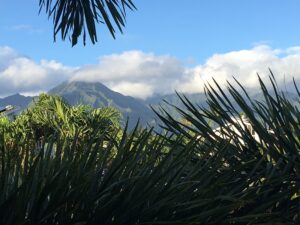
(16, 100)
(98, 95)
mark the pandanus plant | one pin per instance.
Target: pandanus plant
(185, 175)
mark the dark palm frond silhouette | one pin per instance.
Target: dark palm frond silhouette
(73, 18)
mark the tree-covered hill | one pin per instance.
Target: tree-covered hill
(16, 100)
(98, 95)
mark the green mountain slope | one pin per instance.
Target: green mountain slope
(168, 101)
(19, 102)
(16, 100)
(199, 99)
(98, 95)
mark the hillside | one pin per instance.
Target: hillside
(16, 100)
(170, 100)
(19, 102)
(98, 95)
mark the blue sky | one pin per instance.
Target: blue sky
(189, 32)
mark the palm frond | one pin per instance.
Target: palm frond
(79, 17)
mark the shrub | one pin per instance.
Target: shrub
(85, 173)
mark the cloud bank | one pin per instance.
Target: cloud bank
(245, 65)
(20, 74)
(134, 73)
(142, 75)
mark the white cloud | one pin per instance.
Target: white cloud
(20, 27)
(134, 89)
(142, 74)
(27, 28)
(134, 73)
(21, 74)
(244, 65)
(6, 56)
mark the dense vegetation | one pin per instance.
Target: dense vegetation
(75, 165)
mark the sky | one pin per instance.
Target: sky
(167, 45)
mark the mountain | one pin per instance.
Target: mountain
(16, 100)
(98, 95)
(200, 99)
(168, 101)
(19, 102)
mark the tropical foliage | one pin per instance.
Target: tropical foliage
(71, 165)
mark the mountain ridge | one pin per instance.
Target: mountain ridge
(97, 94)
(16, 99)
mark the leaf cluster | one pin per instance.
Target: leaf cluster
(185, 175)
(81, 16)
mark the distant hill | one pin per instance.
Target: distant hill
(166, 101)
(200, 99)
(19, 102)
(98, 95)
(16, 100)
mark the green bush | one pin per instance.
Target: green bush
(72, 165)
